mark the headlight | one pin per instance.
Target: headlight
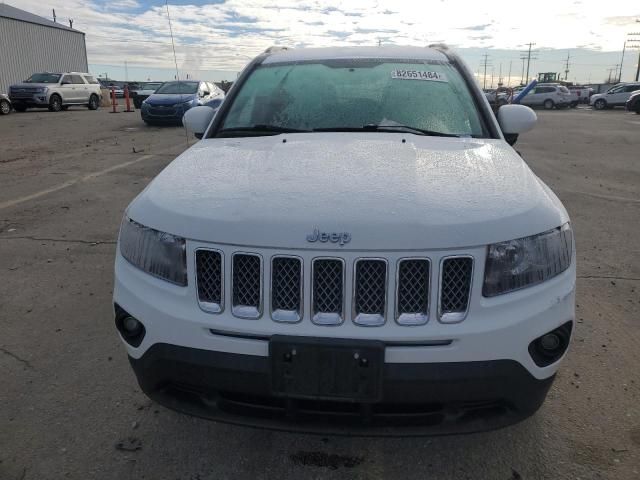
(157, 253)
(42, 90)
(527, 261)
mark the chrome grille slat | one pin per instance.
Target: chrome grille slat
(455, 288)
(412, 291)
(209, 282)
(327, 284)
(246, 285)
(370, 292)
(286, 289)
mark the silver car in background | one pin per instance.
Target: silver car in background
(549, 96)
(5, 104)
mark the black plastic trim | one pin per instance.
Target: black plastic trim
(422, 399)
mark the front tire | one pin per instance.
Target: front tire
(55, 103)
(94, 102)
(548, 104)
(600, 104)
(5, 107)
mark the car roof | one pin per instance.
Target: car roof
(335, 53)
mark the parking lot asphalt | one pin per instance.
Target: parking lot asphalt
(69, 403)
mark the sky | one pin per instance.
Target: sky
(214, 39)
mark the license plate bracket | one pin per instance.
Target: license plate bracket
(326, 369)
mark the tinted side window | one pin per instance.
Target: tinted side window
(77, 79)
(66, 79)
(632, 88)
(91, 79)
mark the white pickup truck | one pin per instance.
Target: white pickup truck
(352, 245)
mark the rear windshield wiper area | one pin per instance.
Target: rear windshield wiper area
(373, 127)
(257, 130)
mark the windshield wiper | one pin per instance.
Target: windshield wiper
(266, 129)
(372, 127)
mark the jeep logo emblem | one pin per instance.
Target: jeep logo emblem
(333, 237)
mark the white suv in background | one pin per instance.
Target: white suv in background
(614, 97)
(549, 96)
(353, 244)
(56, 91)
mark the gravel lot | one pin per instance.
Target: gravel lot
(69, 402)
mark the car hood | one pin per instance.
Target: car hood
(169, 98)
(428, 192)
(32, 85)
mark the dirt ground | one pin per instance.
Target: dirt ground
(69, 403)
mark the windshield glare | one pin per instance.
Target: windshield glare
(44, 78)
(178, 88)
(351, 94)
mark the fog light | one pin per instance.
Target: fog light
(131, 326)
(550, 342)
(549, 347)
(131, 329)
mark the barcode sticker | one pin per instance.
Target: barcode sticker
(418, 75)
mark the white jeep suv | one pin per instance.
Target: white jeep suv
(56, 91)
(352, 245)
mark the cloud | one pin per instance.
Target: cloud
(222, 34)
(477, 27)
(626, 20)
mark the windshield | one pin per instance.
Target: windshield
(352, 94)
(178, 87)
(44, 78)
(150, 86)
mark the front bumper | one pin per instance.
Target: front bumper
(436, 398)
(212, 364)
(36, 100)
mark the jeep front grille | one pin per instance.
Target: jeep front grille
(209, 280)
(370, 292)
(327, 291)
(455, 288)
(368, 295)
(286, 289)
(412, 291)
(246, 285)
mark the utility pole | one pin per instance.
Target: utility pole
(54, 15)
(500, 76)
(485, 63)
(531, 44)
(566, 67)
(509, 76)
(522, 76)
(126, 72)
(624, 47)
(635, 43)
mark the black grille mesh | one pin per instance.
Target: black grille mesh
(371, 288)
(246, 280)
(286, 284)
(456, 284)
(413, 286)
(327, 286)
(209, 276)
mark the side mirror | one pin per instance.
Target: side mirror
(514, 120)
(197, 119)
(206, 93)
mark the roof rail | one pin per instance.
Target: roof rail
(275, 49)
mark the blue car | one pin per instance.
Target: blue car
(168, 104)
